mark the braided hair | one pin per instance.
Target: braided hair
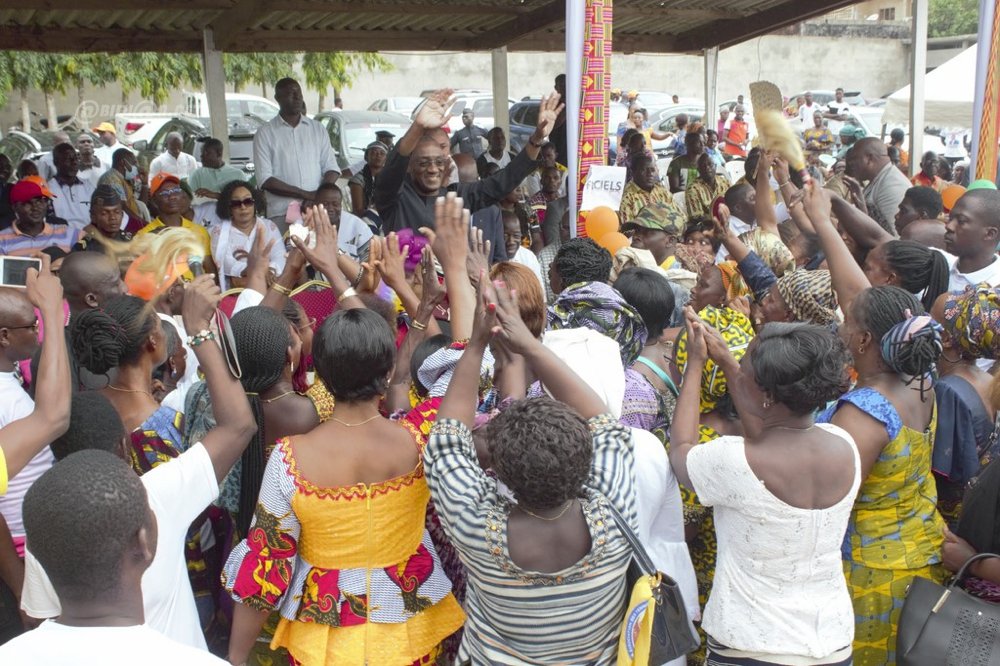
(114, 335)
(262, 335)
(920, 269)
(910, 342)
(582, 260)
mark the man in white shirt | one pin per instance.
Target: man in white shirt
(868, 160)
(174, 161)
(971, 237)
(292, 154)
(515, 251)
(109, 142)
(177, 492)
(72, 202)
(91, 168)
(353, 234)
(495, 154)
(92, 529)
(807, 110)
(18, 342)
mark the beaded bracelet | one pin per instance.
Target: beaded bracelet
(280, 289)
(198, 338)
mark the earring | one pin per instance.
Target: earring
(861, 349)
(766, 404)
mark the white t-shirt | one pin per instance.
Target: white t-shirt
(526, 257)
(16, 404)
(779, 580)
(958, 281)
(54, 644)
(228, 241)
(105, 153)
(806, 112)
(177, 491)
(72, 202)
(353, 235)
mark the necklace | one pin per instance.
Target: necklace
(791, 428)
(354, 425)
(559, 515)
(277, 397)
(124, 390)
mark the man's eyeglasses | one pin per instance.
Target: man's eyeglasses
(32, 325)
(242, 203)
(428, 162)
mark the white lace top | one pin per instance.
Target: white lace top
(779, 583)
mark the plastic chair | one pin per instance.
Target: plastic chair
(736, 169)
(317, 299)
(229, 298)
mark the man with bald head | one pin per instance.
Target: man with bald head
(174, 160)
(926, 232)
(89, 279)
(868, 161)
(416, 170)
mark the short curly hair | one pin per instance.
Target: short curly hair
(802, 366)
(542, 450)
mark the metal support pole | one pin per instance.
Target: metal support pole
(501, 115)
(918, 70)
(711, 83)
(214, 74)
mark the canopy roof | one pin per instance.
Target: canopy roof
(949, 91)
(647, 26)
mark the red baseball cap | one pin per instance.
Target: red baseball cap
(28, 189)
(160, 179)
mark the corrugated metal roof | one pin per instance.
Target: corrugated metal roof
(382, 25)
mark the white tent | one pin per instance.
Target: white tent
(948, 95)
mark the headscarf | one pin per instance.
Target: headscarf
(737, 331)
(770, 249)
(973, 318)
(416, 243)
(599, 307)
(810, 296)
(692, 260)
(732, 280)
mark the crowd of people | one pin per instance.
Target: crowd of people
(433, 419)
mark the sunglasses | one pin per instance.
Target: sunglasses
(427, 163)
(172, 192)
(242, 203)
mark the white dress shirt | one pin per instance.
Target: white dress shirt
(298, 156)
(72, 202)
(181, 166)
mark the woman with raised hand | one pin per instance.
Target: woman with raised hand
(233, 237)
(782, 495)
(895, 532)
(338, 544)
(546, 584)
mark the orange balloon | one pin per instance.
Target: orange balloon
(600, 222)
(613, 242)
(951, 194)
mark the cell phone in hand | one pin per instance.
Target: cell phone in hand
(14, 270)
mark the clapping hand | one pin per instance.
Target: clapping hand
(478, 260)
(259, 256)
(485, 323)
(392, 265)
(720, 223)
(324, 255)
(513, 333)
(436, 111)
(817, 204)
(697, 347)
(450, 236)
(433, 292)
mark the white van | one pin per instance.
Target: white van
(238, 106)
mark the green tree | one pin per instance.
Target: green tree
(264, 69)
(948, 18)
(338, 70)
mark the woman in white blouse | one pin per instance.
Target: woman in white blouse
(233, 237)
(782, 497)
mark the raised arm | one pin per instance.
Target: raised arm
(865, 231)
(450, 242)
(687, 415)
(848, 278)
(766, 217)
(234, 423)
(392, 268)
(325, 258)
(21, 440)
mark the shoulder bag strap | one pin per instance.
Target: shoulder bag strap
(638, 550)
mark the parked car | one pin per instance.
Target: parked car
(133, 127)
(480, 101)
(351, 131)
(18, 145)
(403, 105)
(191, 129)
(523, 118)
(238, 106)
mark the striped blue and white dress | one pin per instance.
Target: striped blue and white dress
(514, 616)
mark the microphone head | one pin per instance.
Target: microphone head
(195, 265)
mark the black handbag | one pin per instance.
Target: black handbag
(673, 635)
(946, 626)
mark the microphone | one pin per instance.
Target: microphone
(195, 265)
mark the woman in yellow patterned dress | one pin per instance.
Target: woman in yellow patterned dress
(338, 544)
(895, 532)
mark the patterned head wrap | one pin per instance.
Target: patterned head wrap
(911, 347)
(737, 331)
(810, 296)
(770, 249)
(599, 307)
(692, 260)
(973, 318)
(732, 280)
